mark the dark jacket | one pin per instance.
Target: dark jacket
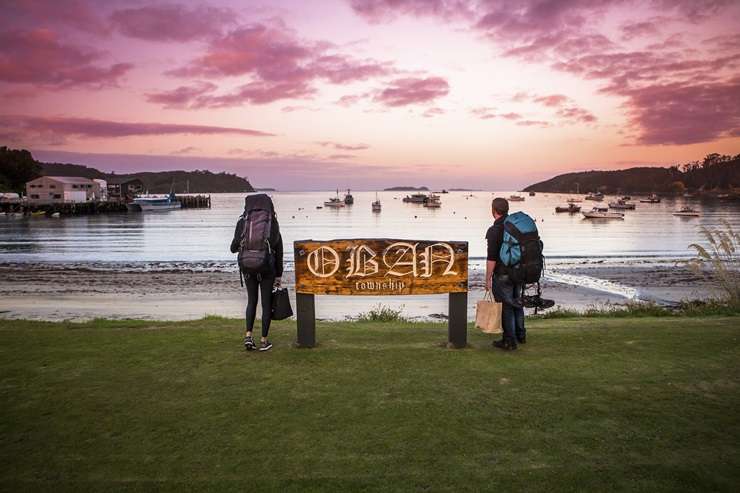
(277, 247)
(495, 237)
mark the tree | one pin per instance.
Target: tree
(17, 166)
(677, 187)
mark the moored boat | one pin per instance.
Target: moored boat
(574, 200)
(602, 213)
(651, 199)
(596, 197)
(532, 194)
(687, 212)
(348, 198)
(150, 203)
(570, 208)
(376, 205)
(433, 201)
(622, 204)
(516, 198)
(416, 198)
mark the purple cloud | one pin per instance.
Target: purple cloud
(171, 22)
(413, 90)
(343, 147)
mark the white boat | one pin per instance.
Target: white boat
(433, 201)
(335, 202)
(622, 205)
(602, 213)
(148, 203)
(376, 205)
(687, 212)
(56, 215)
(597, 197)
(516, 198)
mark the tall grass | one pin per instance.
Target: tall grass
(381, 313)
(718, 259)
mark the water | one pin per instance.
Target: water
(200, 238)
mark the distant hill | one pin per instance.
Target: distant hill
(198, 181)
(714, 173)
(406, 189)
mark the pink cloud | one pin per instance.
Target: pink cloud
(413, 90)
(532, 123)
(553, 100)
(432, 112)
(183, 96)
(171, 22)
(341, 156)
(184, 151)
(259, 92)
(56, 129)
(343, 147)
(38, 14)
(575, 114)
(511, 116)
(339, 69)
(639, 29)
(484, 112)
(383, 10)
(349, 100)
(38, 57)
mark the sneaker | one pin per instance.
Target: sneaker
(249, 344)
(266, 346)
(505, 344)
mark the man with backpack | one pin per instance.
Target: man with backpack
(259, 244)
(514, 260)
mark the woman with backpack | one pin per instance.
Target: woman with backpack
(259, 244)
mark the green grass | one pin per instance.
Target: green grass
(589, 404)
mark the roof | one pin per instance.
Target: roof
(119, 180)
(68, 179)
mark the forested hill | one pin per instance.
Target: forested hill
(714, 173)
(160, 181)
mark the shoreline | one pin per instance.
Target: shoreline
(59, 292)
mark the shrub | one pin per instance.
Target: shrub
(381, 313)
(720, 256)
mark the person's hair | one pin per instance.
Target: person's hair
(500, 206)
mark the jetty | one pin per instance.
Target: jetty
(92, 207)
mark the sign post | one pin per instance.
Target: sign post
(382, 267)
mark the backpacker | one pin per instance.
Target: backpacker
(260, 232)
(521, 250)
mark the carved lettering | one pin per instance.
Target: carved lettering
(323, 262)
(404, 250)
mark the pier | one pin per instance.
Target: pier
(91, 208)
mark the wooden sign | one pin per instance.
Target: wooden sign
(381, 267)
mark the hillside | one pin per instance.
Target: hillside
(199, 181)
(406, 189)
(714, 173)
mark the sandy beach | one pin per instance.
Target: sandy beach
(58, 292)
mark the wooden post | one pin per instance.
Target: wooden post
(457, 324)
(306, 320)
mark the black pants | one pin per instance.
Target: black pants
(264, 284)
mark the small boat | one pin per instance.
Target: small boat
(335, 202)
(602, 213)
(150, 203)
(574, 200)
(516, 198)
(348, 198)
(38, 213)
(596, 197)
(570, 208)
(376, 205)
(532, 194)
(687, 212)
(651, 199)
(433, 201)
(319, 206)
(444, 191)
(56, 215)
(416, 198)
(626, 198)
(622, 205)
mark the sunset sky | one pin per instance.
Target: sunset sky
(301, 94)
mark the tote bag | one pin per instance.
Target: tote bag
(488, 314)
(281, 304)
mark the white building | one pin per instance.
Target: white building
(61, 189)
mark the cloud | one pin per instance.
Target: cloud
(532, 123)
(38, 57)
(171, 22)
(181, 97)
(413, 90)
(343, 147)
(511, 116)
(384, 10)
(631, 30)
(553, 100)
(56, 129)
(484, 112)
(349, 100)
(574, 114)
(341, 156)
(432, 112)
(185, 150)
(37, 14)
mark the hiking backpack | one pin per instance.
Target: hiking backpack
(260, 232)
(521, 250)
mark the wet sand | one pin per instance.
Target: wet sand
(56, 292)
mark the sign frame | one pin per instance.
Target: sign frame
(414, 268)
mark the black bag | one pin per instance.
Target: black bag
(259, 233)
(281, 304)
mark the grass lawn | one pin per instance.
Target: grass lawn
(618, 404)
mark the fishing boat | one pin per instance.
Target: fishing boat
(416, 198)
(516, 198)
(622, 204)
(602, 213)
(376, 205)
(570, 208)
(348, 198)
(596, 197)
(151, 203)
(687, 212)
(334, 202)
(651, 199)
(433, 201)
